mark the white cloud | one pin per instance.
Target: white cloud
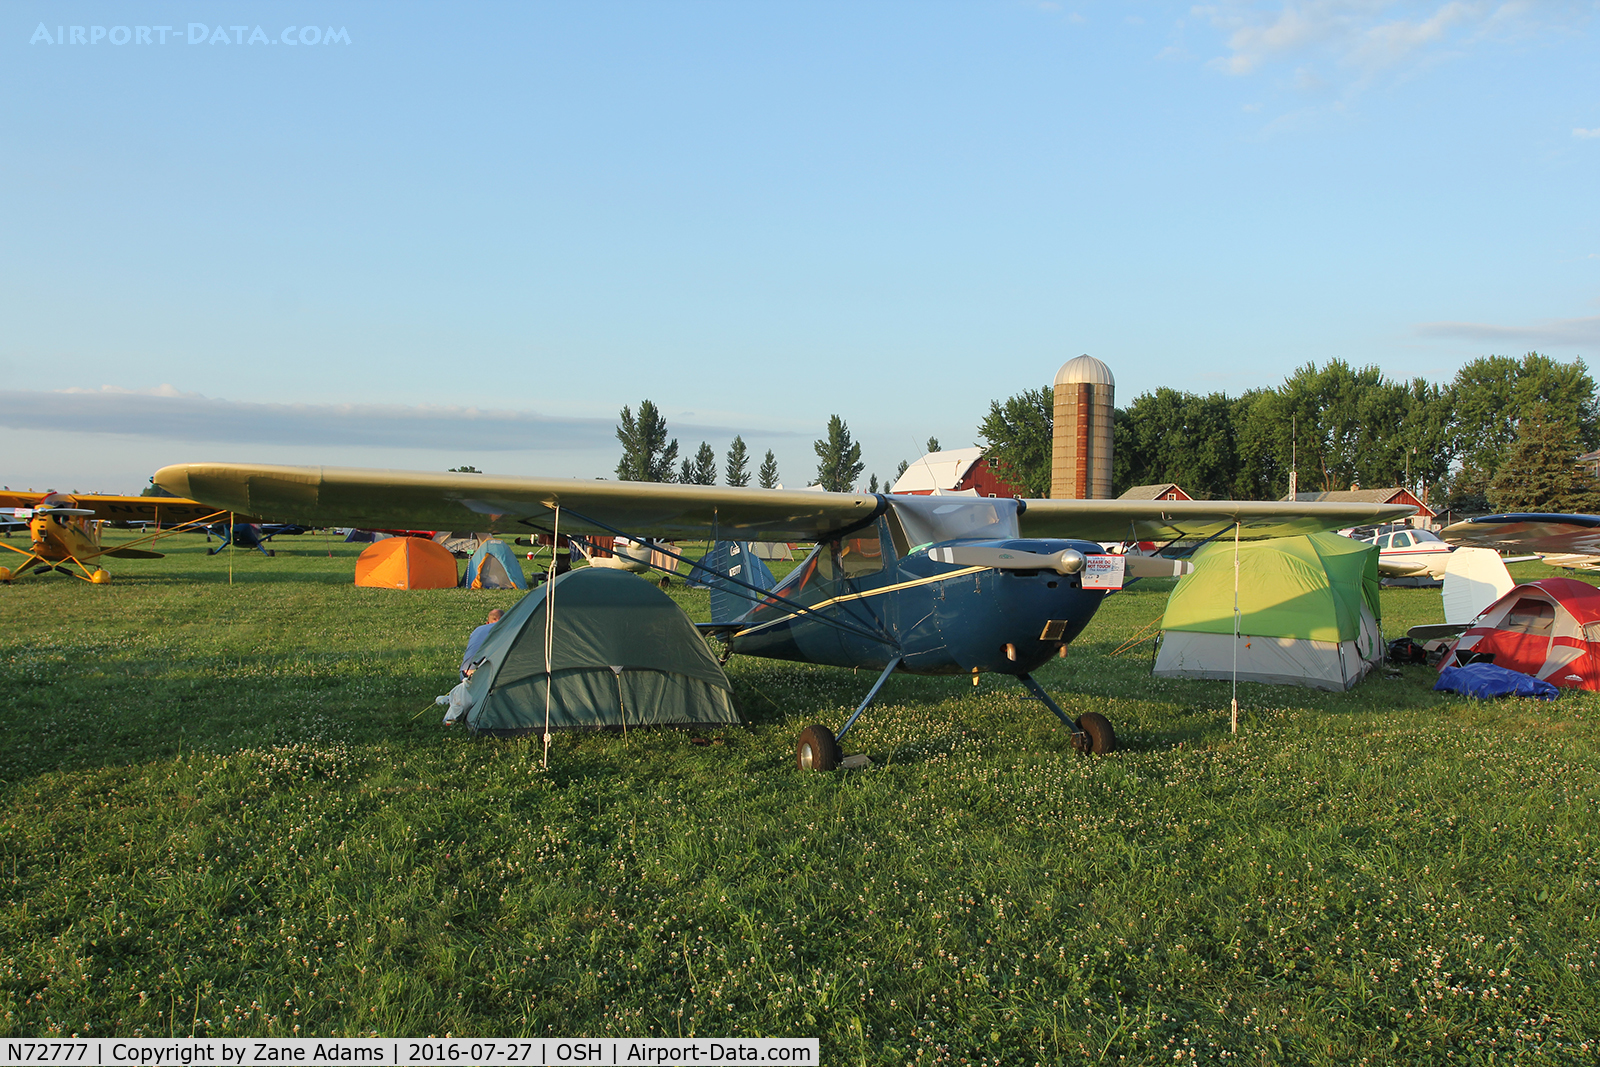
(1584, 135)
(1557, 332)
(169, 414)
(1353, 42)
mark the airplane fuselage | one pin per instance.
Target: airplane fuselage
(58, 538)
(938, 617)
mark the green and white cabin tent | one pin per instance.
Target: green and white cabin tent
(623, 654)
(1308, 608)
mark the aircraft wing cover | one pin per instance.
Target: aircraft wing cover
(381, 499)
(1531, 532)
(1188, 520)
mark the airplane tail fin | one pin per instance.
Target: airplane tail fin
(735, 560)
(1474, 578)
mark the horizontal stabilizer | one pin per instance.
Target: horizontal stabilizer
(1433, 631)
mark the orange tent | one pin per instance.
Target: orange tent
(406, 563)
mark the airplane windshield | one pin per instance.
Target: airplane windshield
(1426, 535)
(929, 519)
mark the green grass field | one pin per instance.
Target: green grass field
(223, 815)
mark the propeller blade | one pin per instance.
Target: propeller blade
(1067, 561)
(1155, 567)
(63, 511)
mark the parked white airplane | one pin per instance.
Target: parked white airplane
(1407, 553)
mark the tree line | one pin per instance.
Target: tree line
(1468, 444)
(649, 455)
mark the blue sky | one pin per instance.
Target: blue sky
(473, 235)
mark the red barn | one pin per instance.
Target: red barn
(957, 470)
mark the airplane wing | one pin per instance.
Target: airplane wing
(368, 499)
(1166, 520)
(117, 508)
(1545, 533)
(384, 499)
(1394, 568)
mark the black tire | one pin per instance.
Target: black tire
(1102, 738)
(816, 750)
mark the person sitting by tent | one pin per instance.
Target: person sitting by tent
(457, 702)
(475, 642)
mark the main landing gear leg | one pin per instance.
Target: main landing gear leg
(1091, 733)
(817, 749)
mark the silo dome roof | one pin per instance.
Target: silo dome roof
(1085, 369)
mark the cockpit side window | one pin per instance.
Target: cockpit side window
(825, 572)
(859, 556)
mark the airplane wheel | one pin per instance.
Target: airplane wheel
(5, 574)
(100, 576)
(1100, 737)
(272, 552)
(816, 750)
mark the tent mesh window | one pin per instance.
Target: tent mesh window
(1530, 616)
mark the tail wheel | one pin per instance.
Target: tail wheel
(1100, 738)
(816, 750)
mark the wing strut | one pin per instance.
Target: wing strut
(762, 594)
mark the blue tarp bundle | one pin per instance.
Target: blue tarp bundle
(1486, 681)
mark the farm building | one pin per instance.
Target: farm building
(1391, 495)
(955, 470)
(1165, 491)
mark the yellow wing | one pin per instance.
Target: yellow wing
(116, 508)
(384, 499)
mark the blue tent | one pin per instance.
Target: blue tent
(493, 566)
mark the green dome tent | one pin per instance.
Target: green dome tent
(1308, 610)
(622, 654)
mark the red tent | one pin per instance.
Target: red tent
(1549, 629)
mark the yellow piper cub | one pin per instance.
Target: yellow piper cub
(66, 529)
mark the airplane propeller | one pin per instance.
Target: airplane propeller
(1155, 567)
(1067, 561)
(63, 511)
